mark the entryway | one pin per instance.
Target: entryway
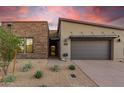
(54, 47)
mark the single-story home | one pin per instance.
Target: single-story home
(73, 40)
(81, 40)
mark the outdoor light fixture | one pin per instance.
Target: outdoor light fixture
(10, 27)
(119, 40)
(9, 24)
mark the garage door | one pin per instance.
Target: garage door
(90, 50)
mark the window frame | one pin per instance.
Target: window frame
(25, 46)
(32, 44)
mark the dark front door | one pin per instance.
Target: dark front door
(53, 48)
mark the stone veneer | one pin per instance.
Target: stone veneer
(38, 30)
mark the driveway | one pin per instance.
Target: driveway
(104, 73)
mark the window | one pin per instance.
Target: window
(26, 45)
(29, 45)
(21, 46)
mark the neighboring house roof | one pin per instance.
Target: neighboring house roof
(88, 23)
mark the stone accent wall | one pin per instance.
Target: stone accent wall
(38, 30)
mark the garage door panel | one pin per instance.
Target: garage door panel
(90, 50)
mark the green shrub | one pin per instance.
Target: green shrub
(38, 74)
(9, 78)
(43, 85)
(55, 68)
(26, 67)
(29, 65)
(71, 67)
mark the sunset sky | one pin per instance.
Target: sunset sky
(104, 15)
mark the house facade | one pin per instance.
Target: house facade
(34, 36)
(90, 41)
(73, 40)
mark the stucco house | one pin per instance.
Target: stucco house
(81, 40)
(73, 40)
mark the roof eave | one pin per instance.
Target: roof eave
(89, 23)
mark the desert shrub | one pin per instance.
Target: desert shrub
(55, 68)
(9, 78)
(71, 67)
(29, 65)
(26, 67)
(38, 74)
(43, 85)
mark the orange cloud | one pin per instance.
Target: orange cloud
(94, 18)
(51, 13)
(72, 13)
(68, 12)
(23, 10)
(54, 8)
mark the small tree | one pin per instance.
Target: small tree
(8, 44)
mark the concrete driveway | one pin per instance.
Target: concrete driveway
(104, 73)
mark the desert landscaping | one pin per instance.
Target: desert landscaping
(60, 77)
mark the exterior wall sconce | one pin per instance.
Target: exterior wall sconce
(9, 24)
(119, 40)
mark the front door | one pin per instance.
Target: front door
(53, 48)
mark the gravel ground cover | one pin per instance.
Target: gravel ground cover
(61, 78)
